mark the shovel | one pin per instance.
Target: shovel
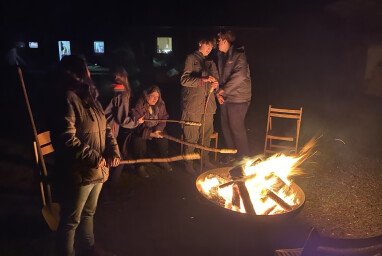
(50, 210)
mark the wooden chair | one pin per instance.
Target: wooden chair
(316, 245)
(214, 136)
(50, 210)
(290, 142)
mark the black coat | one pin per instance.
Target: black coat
(81, 137)
(234, 76)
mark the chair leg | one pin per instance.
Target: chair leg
(181, 145)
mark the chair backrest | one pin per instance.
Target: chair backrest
(271, 136)
(317, 245)
(45, 144)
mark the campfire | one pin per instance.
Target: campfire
(258, 186)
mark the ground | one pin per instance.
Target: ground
(165, 215)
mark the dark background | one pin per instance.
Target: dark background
(310, 54)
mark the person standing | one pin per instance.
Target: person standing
(118, 116)
(85, 148)
(199, 80)
(234, 94)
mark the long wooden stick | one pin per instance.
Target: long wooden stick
(162, 160)
(221, 150)
(174, 121)
(50, 210)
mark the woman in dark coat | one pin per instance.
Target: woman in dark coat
(85, 148)
(150, 106)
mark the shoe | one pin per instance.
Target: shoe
(190, 170)
(166, 166)
(142, 172)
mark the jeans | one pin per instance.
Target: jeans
(77, 210)
(232, 117)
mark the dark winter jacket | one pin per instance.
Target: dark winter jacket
(234, 76)
(194, 91)
(117, 112)
(81, 137)
(158, 112)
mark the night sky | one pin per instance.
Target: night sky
(100, 14)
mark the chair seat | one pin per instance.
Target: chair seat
(275, 137)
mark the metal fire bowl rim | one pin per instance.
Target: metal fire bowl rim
(224, 173)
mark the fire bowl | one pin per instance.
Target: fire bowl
(224, 174)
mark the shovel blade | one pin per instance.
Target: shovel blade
(51, 215)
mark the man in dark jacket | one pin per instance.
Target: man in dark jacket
(234, 94)
(199, 80)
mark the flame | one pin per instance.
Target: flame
(261, 178)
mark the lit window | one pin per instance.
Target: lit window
(164, 44)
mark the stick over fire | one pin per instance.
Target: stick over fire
(186, 157)
(221, 150)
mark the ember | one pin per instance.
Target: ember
(256, 187)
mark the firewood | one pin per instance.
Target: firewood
(236, 173)
(235, 196)
(269, 210)
(278, 200)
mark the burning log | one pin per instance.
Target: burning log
(243, 179)
(162, 160)
(243, 191)
(235, 197)
(269, 210)
(279, 183)
(221, 150)
(236, 172)
(278, 200)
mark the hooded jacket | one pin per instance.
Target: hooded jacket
(117, 112)
(81, 138)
